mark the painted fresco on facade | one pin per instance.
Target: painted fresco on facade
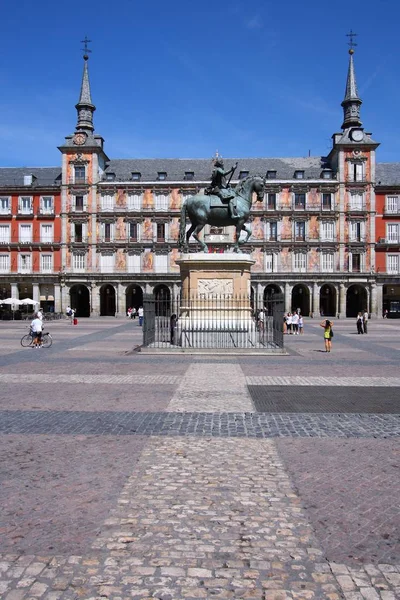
(148, 199)
(285, 198)
(258, 256)
(120, 229)
(313, 260)
(173, 256)
(120, 199)
(313, 228)
(257, 228)
(286, 228)
(147, 261)
(175, 199)
(120, 260)
(313, 199)
(174, 229)
(147, 230)
(286, 260)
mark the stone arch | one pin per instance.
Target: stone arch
(270, 291)
(80, 300)
(162, 296)
(328, 300)
(301, 299)
(356, 299)
(107, 300)
(134, 296)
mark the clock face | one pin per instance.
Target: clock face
(357, 135)
(79, 139)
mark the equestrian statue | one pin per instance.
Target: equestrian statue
(220, 205)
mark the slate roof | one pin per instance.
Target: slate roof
(10, 176)
(202, 168)
(388, 174)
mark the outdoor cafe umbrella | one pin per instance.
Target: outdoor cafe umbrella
(28, 301)
(13, 302)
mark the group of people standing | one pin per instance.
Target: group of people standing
(362, 322)
(132, 313)
(293, 323)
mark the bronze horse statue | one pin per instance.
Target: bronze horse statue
(212, 210)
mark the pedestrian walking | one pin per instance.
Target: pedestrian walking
(359, 323)
(385, 313)
(328, 333)
(140, 315)
(365, 321)
(295, 323)
(301, 324)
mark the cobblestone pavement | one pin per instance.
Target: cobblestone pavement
(136, 476)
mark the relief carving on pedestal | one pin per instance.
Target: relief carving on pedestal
(215, 287)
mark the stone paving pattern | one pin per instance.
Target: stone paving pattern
(195, 516)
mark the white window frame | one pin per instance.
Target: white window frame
(4, 263)
(161, 263)
(107, 202)
(392, 205)
(133, 263)
(392, 233)
(161, 201)
(299, 265)
(25, 227)
(6, 229)
(103, 232)
(46, 238)
(107, 263)
(6, 209)
(49, 259)
(362, 262)
(327, 231)
(356, 201)
(84, 206)
(135, 201)
(44, 210)
(353, 233)
(271, 262)
(327, 264)
(79, 179)
(25, 210)
(393, 264)
(267, 231)
(78, 263)
(24, 265)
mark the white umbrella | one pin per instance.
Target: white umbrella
(29, 301)
(14, 301)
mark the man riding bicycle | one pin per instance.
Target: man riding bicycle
(36, 328)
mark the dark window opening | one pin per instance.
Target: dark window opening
(107, 232)
(273, 231)
(300, 201)
(243, 174)
(299, 174)
(271, 201)
(326, 201)
(80, 173)
(271, 174)
(136, 176)
(356, 263)
(110, 176)
(162, 175)
(79, 203)
(189, 175)
(300, 231)
(133, 232)
(160, 232)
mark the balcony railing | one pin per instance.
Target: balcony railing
(5, 211)
(387, 241)
(79, 208)
(45, 212)
(32, 240)
(77, 180)
(79, 239)
(359, 239)
(25, 211)
(356, 207)
(391, 211)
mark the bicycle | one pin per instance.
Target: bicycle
(27, 340)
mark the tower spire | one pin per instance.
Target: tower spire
(85, 108)
(351, 103)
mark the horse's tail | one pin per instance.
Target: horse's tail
(182, 227)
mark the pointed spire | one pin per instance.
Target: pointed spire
(351, 103)
(85, 107)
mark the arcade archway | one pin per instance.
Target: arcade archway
(301, 299)
(327, 300)
(356, 300)
(162, 296)
(270, 292)
(107, 300)
(134, 296)
(80, 300)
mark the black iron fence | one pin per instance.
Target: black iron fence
(220, 322)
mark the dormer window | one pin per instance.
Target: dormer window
(110, 176)
(189, 175)
(327, 174)
(271, 174)
(136, 176)
(299, 174)
(243, 174)
(161, 176)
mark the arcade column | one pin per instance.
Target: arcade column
(288, 297)
(315, 302)
(95, 299)
(342, 301)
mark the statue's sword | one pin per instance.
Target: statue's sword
(229, 180)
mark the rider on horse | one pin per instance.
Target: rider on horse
(220, 188)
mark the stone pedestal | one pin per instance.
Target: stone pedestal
(215, 308)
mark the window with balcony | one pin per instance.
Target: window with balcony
(78, 262)
(300, 262)
(356, 201)
(392, 205)
(356, 171)
(133, 232)
(79, 204)
(300, 231)
(46, 233)
(392, 233)
(78, 232)
(24, 263)
(299, 201)
(327, 262)
(79, 174)
(25, 234)
(134, 201)
(108, 232)
(326, 201)
(270, 262)
(272, 231)
(327, 232)
(107, 202)
(271, 201)
(160, 232)
(356, 231)
(25, 205)
(5, 234)
(133, 263)
(46, 205)
(5, 205)
(392, 263)
(107, 263)
(161, 202)
(161, 263)
(355, 262)
(46, 263)
(4, 263)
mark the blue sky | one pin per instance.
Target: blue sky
(182, 79)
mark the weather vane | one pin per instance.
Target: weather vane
(351, 42)
(86, 49)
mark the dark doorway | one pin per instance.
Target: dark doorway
(269, 294)
(162, 296)
(327, 300)
(80, 300)
(301, 299)
(107, 300)
(356, 300)
(134, 297)
(391, 301)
